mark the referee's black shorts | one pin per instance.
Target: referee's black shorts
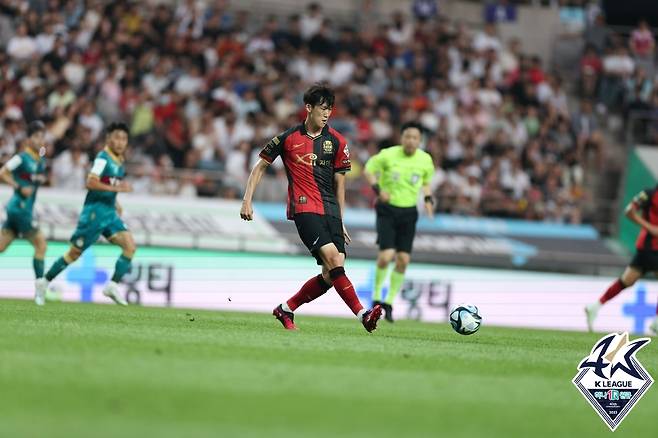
(396, 227)
(645, 261)
(317, 230)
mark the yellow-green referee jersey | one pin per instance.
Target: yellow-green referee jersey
(400, 175)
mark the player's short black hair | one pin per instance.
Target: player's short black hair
(319, 94)
(34, 127)
(416, 125)
(117, 126)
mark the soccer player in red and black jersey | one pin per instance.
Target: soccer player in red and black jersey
(316, 159)
(643, 210)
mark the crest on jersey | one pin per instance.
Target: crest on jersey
(611, 378)
(327, 147)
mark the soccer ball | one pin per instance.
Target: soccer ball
(465, 319)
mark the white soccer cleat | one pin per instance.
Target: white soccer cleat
(654, 327)
(591, 311)
(40, 288)
(112, 291)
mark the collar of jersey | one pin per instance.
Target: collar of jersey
(325, 131)
(33, 154)
(112, 155)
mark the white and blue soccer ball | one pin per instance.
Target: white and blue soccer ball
(465, 319)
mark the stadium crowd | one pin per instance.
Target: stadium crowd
(203, 87)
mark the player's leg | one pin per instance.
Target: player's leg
(61, 263)
(123, 239)
(85, 234)
(38, 241)
(405, 231)
(386, 241)
(402, 260)
(334, 261)
(312, 289)
(384, 257)
(6, 237)
(313, 234)
(631, 274)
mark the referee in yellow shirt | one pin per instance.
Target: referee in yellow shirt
(397, 174)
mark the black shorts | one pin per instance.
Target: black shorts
(645, 261)
(396, 227)
(317, 230)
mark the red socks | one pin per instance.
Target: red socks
(345, 289)
(316, 287)
(614, 290)
(311, 290)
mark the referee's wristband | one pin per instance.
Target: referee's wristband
(429, 199)
(376, 189)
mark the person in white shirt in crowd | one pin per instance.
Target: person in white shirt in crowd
(617, 67)
(311, 21)
(70, 169)
(22, 47)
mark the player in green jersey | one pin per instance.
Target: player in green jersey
(25, 172)
(397, 174)
(101, 212)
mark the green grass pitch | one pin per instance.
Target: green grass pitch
(83, 370)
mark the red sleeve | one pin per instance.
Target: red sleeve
(342, 161)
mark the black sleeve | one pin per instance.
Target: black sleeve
(273, 148)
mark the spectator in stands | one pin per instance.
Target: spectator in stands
(618, 66)
(70, 169)
(588, 135)
(311, 21)
(643, 45)
(598, 35)
(201, 85)
(591, 69)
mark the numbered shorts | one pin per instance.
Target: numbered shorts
(95, 222)
(21, 223)
(396, 227)
(645, 261)
(317, 230)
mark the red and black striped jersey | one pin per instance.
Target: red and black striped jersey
(647, 202)
(310, 164)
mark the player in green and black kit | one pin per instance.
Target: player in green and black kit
(25, 172)
(101, 212)
(397, 174)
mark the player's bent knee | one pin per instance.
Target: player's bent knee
(73, 254)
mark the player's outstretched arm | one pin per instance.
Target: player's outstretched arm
(631, 212)
(94, 183)
(247, 210)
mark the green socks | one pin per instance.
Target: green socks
(56, 268)
(37, 264)
(122, 266)
(380, 276)
(396, 284)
